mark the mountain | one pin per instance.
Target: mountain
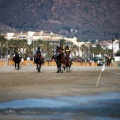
(5, 29)
(85, 19)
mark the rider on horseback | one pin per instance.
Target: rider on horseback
(16, 52)
(16, 57)
(38, 52)
(62, 47)
(67, 50)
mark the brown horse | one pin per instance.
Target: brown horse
(68, 61)
(38, 59)
(61, 60)
(108, 61)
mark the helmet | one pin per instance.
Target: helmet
(57, 46)
(38, 47)
(67, 46)
(61, 45)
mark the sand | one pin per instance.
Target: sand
(81, 80)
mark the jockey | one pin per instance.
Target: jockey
(62, 47)
(67, 49)
(38, 52)
(57, 49)
(16, 52)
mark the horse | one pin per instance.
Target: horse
(38, 59)
(61, 61)
(68, 61)
(54, 57)
(108, 61)
(17, 60)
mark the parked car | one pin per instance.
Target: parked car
(100, 61)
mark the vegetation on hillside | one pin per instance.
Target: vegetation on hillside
(85, 19)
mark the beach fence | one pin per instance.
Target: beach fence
(3, 62)
(52, 63)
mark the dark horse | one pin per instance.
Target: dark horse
(108, 61)
(60, 60)
(38, 59)
(68, 61)
(17, 60)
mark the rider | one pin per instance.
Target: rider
(67, 49)
(16, 51)
(38, 52)
(62, 47)
(57, 49)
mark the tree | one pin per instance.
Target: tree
(74, 48)
(3, 45)
(62, 41)
(84, 49)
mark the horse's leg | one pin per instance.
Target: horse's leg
(15, 65)
(69, 64)
(57, 63)
(37, 66)
(58, 67)
(64, 66)
(18, 66)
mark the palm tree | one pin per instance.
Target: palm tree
(23, 46)
(83, 48)
(3, 45)
(62, 42)
(74, 48)
(11, 46)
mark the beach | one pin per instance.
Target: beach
(27, 83)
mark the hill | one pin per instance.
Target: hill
(5, 28)
(85, 19)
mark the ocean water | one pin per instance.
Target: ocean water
(103, 106)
